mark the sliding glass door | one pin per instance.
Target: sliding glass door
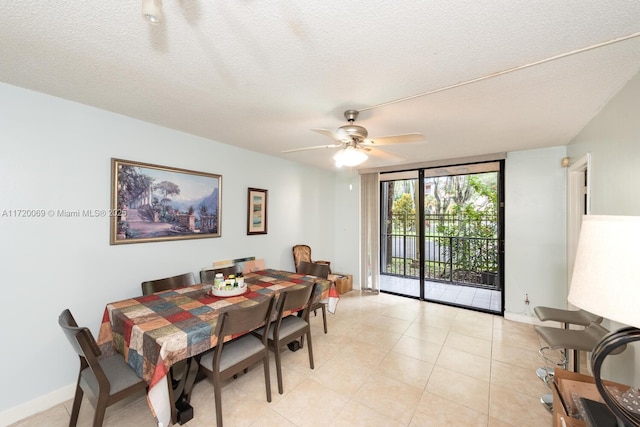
(441, 235)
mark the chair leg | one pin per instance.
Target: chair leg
(218, 401)
(324, 317)
(77, 401)
(310, 348)
(101, 408)
(267, 378)
(278, 370)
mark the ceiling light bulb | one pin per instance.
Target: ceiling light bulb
(152, 10)
(349, 156)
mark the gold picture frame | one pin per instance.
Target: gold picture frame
(152, 203)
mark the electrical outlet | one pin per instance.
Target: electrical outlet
(526, 299)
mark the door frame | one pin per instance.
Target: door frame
(578, 204)
(496, 165)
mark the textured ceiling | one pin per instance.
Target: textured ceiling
(259, 74)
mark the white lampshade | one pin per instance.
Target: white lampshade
(606, 279)
(152, 10)
(349, 156)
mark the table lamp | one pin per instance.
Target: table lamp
(606, 282)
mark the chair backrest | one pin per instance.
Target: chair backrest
(301, 253)
(209, 274)
(252, 265)
(152, 286)
(84, 345)
(78, 335)
(244, 319)
(314, 269)
(295, 300)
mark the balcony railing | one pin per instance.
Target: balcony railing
(455, 259)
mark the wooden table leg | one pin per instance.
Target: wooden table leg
(180, 392)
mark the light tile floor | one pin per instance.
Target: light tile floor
(469, 296)
(386, 361)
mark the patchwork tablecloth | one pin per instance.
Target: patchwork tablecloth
(155, 331)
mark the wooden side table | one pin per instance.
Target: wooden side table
(565, 383)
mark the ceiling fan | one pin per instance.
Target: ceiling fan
(354, 144)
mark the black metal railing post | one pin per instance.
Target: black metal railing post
(404, 251)
(451, 252)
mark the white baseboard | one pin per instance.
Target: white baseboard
(37, 405)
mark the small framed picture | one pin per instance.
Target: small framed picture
(257, 211)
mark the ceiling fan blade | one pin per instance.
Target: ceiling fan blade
(383, 154)
(325, 132)
(394, 139)
(312, 148)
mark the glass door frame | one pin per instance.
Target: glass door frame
(475, 167)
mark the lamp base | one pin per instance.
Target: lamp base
(614, 343)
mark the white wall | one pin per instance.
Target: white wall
(347, 225)
(613, 139)
(55, 154)
(535, 231)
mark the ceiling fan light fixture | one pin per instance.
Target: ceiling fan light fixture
(152, 11)
(349, 156)
(351, 131)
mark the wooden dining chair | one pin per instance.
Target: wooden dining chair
(106, 381)
(178, 373)
(209, 274)
(230, 358)
(318, 270)
(152, 286)
(286, 329)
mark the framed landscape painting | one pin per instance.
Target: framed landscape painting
(152, 203)
(257, 211)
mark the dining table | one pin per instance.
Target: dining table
(155, 331)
